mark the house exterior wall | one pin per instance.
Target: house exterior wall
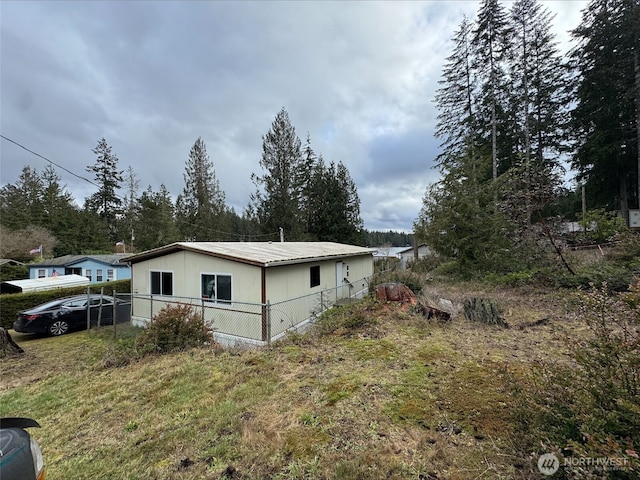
(423, 251)
(122, 272)
(245, 316)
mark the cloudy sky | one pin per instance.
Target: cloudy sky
(153, 76)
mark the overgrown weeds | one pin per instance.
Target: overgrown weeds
(589, 407)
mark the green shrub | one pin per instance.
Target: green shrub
(174, 328)
(513, 279)
(601, 226)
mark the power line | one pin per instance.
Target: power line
(211, 230)
(48, 160)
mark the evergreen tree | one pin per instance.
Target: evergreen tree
(106, 201)
(130, 210)
(305, 178)
(200, 208)
(605, 121)
(537, 104)
(334, 205)
(60, 214)
(157, 226)
(457, 126)
(277, 202)
(490, 42)
(538, 80)
(21, 202)
(350, 222)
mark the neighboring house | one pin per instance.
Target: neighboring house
(9, 261)
(413, 253)
(97, 268)
(249, 291)
(383, 253)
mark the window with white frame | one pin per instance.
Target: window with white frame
(111, 274)
(161, 283)
(89, 274)
(42, 273)
(99, 277)
(215, 287)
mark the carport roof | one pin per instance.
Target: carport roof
(263, 254)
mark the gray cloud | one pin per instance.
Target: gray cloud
(151, 77)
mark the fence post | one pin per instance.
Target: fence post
(88, 308)
(114, 314)
(100, 307)
(150, 307)
(268, 322)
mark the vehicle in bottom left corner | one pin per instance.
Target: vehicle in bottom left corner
(20, 454)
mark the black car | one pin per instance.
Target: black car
(60, 316)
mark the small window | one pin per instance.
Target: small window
(88, 274)
(315, 276)
(111, 274)
(215, 287)
(42, 273)
(99, 275)
(162, 283)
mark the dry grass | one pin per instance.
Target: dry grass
(398, 397)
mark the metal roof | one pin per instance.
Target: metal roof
(48, 283)
(10, 261)
(115, 259)
(264, 254)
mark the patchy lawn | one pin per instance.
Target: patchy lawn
(391, 395)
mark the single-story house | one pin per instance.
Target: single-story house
(9, 261)
(39, 284)
(97, 268)
(413, 253)
(383, 253)
(252, 292)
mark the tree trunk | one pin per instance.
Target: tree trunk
(483, 310)
(8, 348)
(636, 62)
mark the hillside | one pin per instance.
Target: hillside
(376, 391)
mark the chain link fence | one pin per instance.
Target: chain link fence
(252, 323)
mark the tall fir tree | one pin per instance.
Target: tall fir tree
(126, 232)
(277, 200)
(156, 218)
(60, 213)
(21, 203)
(605, 120)
(334, 205)
(201, 208)
(537, 105)
(106, 201)
(490, 41)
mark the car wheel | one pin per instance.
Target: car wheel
(58, 327)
